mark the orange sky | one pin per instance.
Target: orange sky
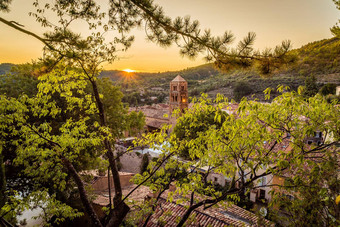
(301, 21)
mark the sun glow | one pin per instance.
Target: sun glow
(129, 70)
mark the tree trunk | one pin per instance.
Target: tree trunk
(120, 208)
(115, 174)
(2, 182)
(118, 214)
(82, 192)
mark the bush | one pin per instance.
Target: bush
(241, 89)
(328, 89)
(311, 87)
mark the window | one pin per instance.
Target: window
(262, 194)
(289, 197)
(263, 181)
(215, 179)
(318, 134)
(309, 141)
(175, 88)
(182, 88)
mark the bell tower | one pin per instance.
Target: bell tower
(178, 94)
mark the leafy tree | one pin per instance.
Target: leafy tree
(65, 99)
(315, 192)
(311, 87)
(38, 141)
(203, 116)
(246, 148)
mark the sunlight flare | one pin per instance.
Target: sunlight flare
(129, 70)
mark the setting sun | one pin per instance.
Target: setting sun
(129, 70)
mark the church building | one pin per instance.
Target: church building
(178, 94)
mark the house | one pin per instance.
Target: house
(168, 214)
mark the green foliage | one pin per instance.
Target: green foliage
(118, 118)
(202, 116)
(245, 147)
(5, 68)
(2, 181)
(241, 89)
(45, 147)
(53, 211)
(333, 98)
(314, 196)
(41, 142)
(311, 87)
(16, 85)
(328, 89)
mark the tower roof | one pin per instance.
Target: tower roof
(178, 79)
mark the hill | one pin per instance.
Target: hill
(5, 68)
(320, 58)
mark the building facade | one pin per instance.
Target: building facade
(178, 94)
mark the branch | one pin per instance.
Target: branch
(146, 179)
(15, 25)
(43, 137)
(168, 28)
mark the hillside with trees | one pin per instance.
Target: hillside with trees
(319, 58)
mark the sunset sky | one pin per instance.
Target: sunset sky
(301, 21)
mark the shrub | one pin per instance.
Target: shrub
(241, 89)
(328, 89)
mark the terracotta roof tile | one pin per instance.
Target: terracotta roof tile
(210, 217)
(178, 79)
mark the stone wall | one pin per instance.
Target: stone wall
(101, 184)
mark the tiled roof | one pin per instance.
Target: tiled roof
(170, 212)
(155, 123)
(164, 208)
(154, 111)
(178, 79)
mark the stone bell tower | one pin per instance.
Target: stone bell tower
(178, 94)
